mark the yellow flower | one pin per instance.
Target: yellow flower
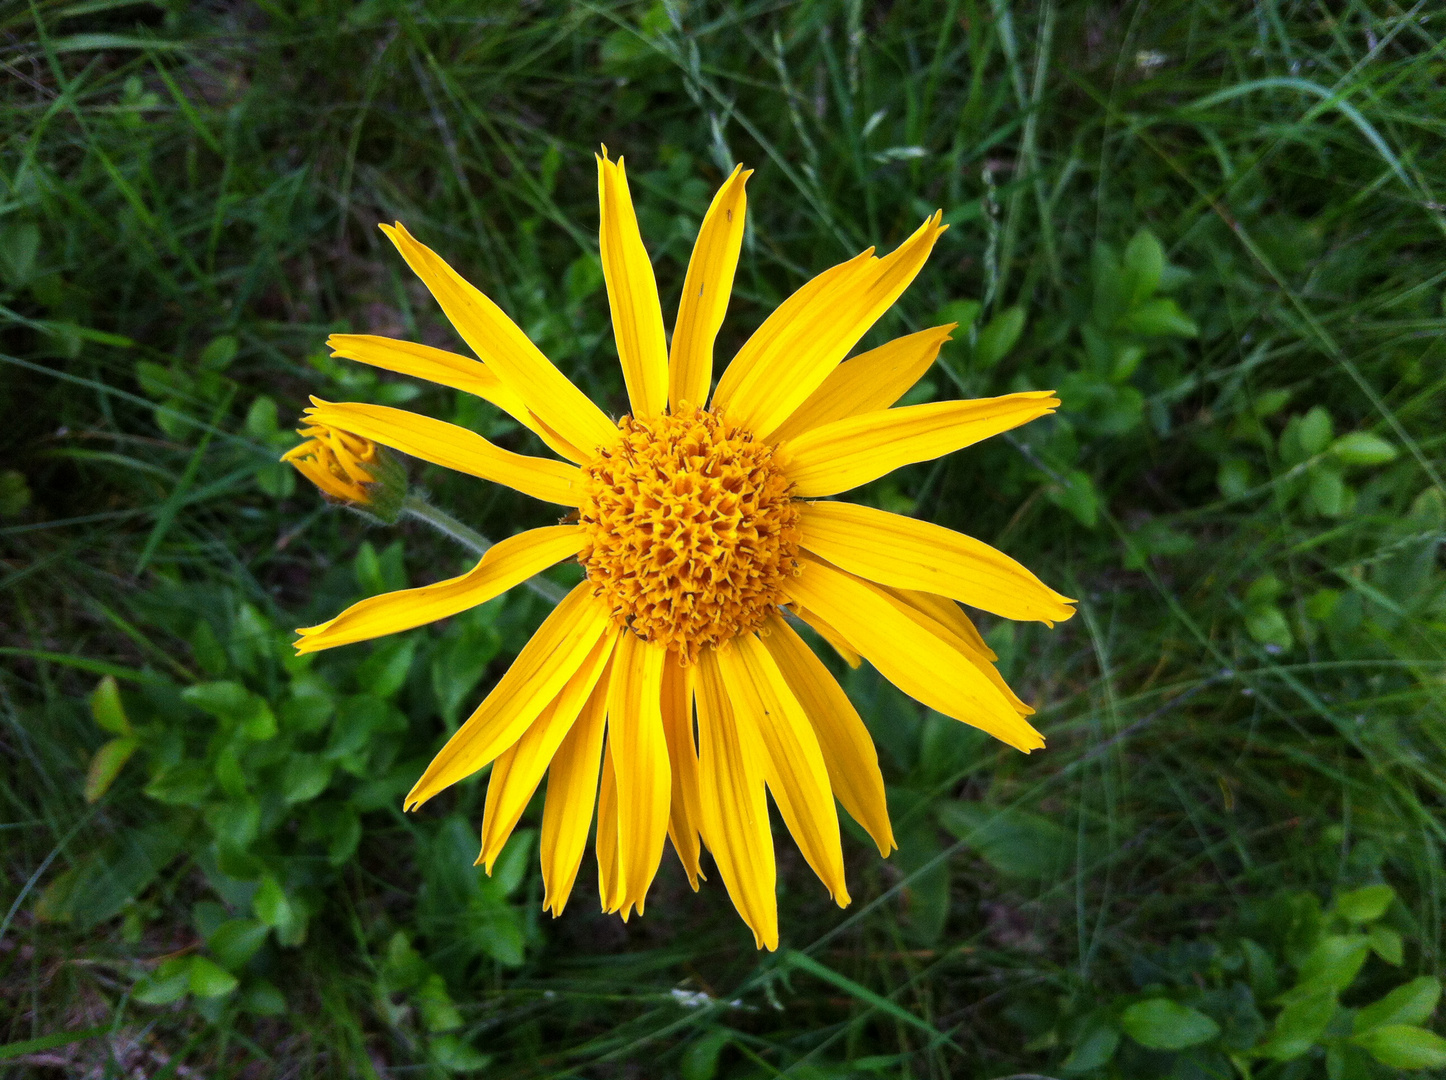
(336, 461)
(697, 528)
(350, 469)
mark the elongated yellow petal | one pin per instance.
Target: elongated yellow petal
(847, 453)
(572, 789)
(910, 554)
(848, 750)
(639, 751)
(924, 665)
(685, 817)
(632, 293)
(793, 364)
(829, 634)
(610, 883)
(505, 348)
(705, 294)
(454, 447)
(946, 612)
(545, 664)
(448, 369)
(793, 764)
(773, 335)
(518, 769)
(942, 616)
(869, 382)
(735, 809)
(506, 564)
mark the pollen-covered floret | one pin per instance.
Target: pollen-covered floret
(691, 530)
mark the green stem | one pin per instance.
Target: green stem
(418, 507)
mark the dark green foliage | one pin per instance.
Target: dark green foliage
(1215, 229)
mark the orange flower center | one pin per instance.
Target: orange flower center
(691, 533)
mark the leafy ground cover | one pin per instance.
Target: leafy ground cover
(1216, 229)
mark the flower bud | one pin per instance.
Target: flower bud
(350, 469)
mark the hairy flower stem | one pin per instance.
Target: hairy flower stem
(418, 507)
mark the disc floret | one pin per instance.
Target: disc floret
(691, 531)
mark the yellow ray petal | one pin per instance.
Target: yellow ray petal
(518, 769)
(943, 610)
(684, 815)
(924, 665)
(765, 341)
(735, 809)
(829, 634)
(793, 764)
(869, 382)
(848, 750)
(610, 883)
(632, 293)
(545, 664)
(453, 447)
(705, 293)
(640, 763)
(505, 348)
(448, 369)
(847, 453)
(572, 789)
(788, 368)
(506, 564)
(942, 616)
(910, 554)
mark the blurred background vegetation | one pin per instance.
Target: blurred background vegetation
(1216, 228)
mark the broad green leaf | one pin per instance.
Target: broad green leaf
(998, 337)
(700, 1060)
(435, 1005)
(209, 980)
(232, 703)
(1160, 317)
(1364, 905)
(263, 999)
(1077, 495)
(169, 982)
(236, 941)
(304, 778)
(510, 869)
(1412, 1003)
(106, 765)
(1386, 943)
(1234, 477)
(1162, 1024)
(1094, 1048)
(963, 312)
(218, 353)
(14, 493)
(1144, 262)
(925, 897)
(106, 707)
(1267, 624)
(1332, 965)
(383, 672)
(1363, 448)
(1014, 842)
(1316, 429)
(1300, 1025)
(1328, 491)
(1403, 1046)
(263, 420)
(271, 904)
(456, 1055)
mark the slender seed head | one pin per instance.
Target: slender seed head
(691, 532)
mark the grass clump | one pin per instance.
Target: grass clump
(1216, 231)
